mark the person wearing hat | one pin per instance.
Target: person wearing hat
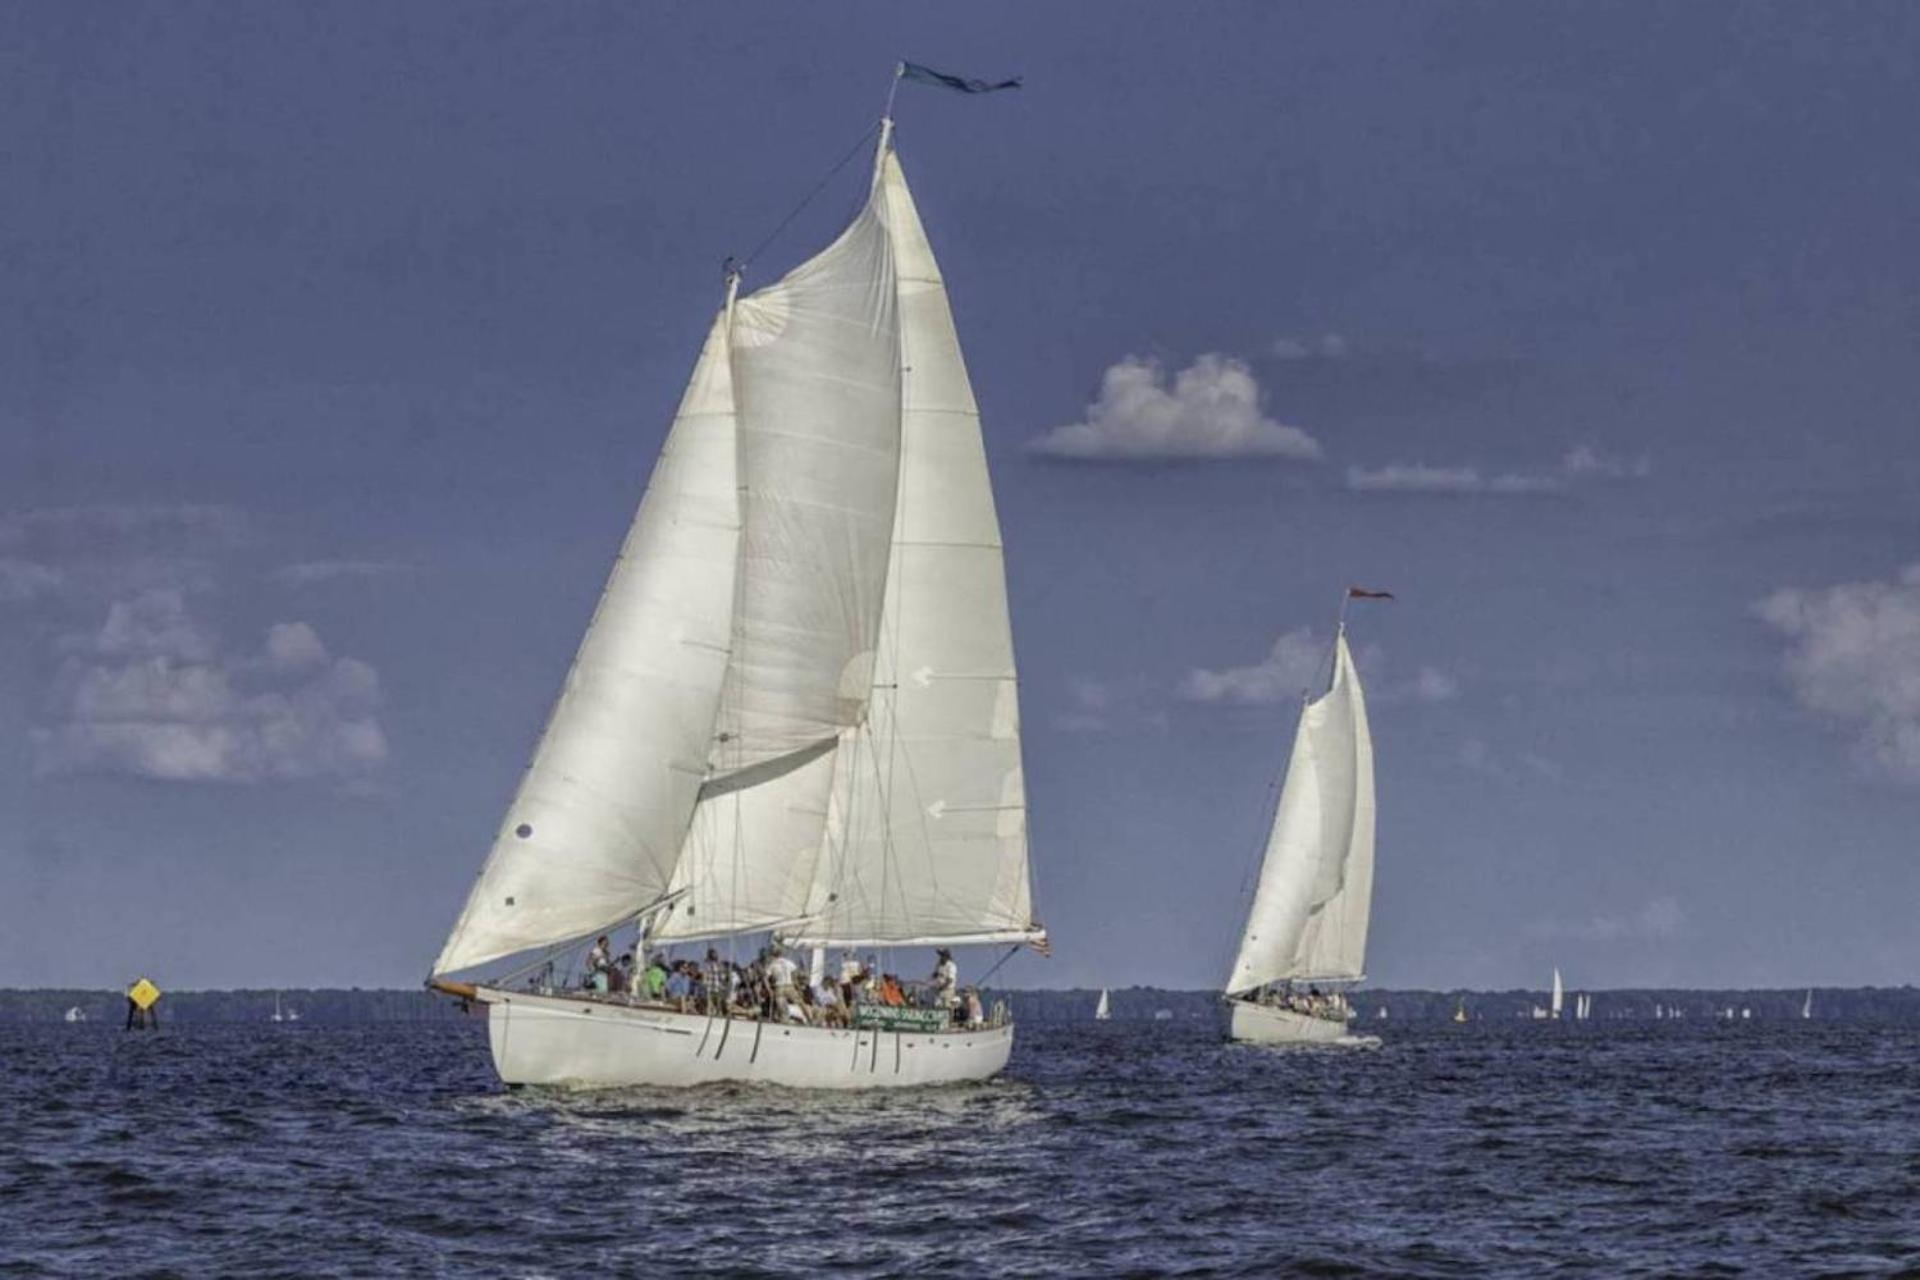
(946, 980)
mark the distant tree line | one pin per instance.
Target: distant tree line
(336, 1006)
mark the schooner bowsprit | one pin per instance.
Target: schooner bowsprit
(1306, 930)
(794, 711)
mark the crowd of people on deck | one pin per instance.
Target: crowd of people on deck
(774, 987)
(1311, 1002)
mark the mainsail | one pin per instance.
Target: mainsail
(1309, 915)
(846, 756)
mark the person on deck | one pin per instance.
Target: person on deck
(719, 977)
(946, 980)
(826, 1002)
(780, 975)
(890, 992)
(599, 965)
(653, 983)
(679, 988)
(970, 1002)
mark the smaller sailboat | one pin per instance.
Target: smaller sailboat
(1460, 1011)
(1382, 1015)
(278, 1016)
(1305, 938)
(76, 1014)
(1559, 996)
(1806, 1006)
(1100, 1011)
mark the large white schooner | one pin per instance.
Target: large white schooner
(794, 711)
(1306, 934)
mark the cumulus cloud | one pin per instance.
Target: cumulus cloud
(1580, 464)
(1659, 919)
(1296, 662)
(152, 694)
(1853, 659)
(1210, 409)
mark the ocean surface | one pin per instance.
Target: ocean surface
(1123, 1148)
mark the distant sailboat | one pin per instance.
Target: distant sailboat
(1163, 1015)
(1460, 1011)
(1307, 926)
(1100, 1011)
(1559, 995)
(1382, 1015)
(1806, 1006)
(76, 1014)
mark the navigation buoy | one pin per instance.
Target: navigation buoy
(141, 1014)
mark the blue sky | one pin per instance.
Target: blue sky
(339, 340)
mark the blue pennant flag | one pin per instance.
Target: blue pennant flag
(927, 75)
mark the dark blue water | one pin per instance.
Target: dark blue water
(1108, 1149)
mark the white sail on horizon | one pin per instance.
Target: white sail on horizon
(1310, 909)
(1558, 994)
(1101, 1012)
(795, 709)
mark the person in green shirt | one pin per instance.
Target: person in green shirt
(656, 979)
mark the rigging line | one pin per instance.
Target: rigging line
(1012, 951)
(808, 199)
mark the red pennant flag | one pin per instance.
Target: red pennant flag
(1361, 593)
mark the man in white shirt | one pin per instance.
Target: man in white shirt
(946, 980)
(780, 974)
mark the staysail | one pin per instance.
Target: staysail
(594, 831)
(927, 834)
(1310, 909)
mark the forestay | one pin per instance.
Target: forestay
(595, 828)
(1310, 909)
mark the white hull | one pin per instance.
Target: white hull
(1266, 1024)
(591, 1044)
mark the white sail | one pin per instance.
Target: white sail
(594, 832)
(1100, 1011)
(1806, 1006)
(927, 838)
(1558, 994)
(816, 377)
(1309, 913)
(816, 362)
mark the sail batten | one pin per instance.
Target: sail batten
(1309, 916)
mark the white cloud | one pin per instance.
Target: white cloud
(1418, 477)
(1581, 464)
(1296, 663)
(1853, 658)
(1210, 409)
(1659, 919)
(152, 695)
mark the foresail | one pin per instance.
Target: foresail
(595, 828)
(816, 370)
(1310, 909)
(927, 835)
(816, 360)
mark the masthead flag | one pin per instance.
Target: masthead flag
(927, 75)
(1361, 593)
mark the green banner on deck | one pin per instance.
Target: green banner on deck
(887, 1017)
